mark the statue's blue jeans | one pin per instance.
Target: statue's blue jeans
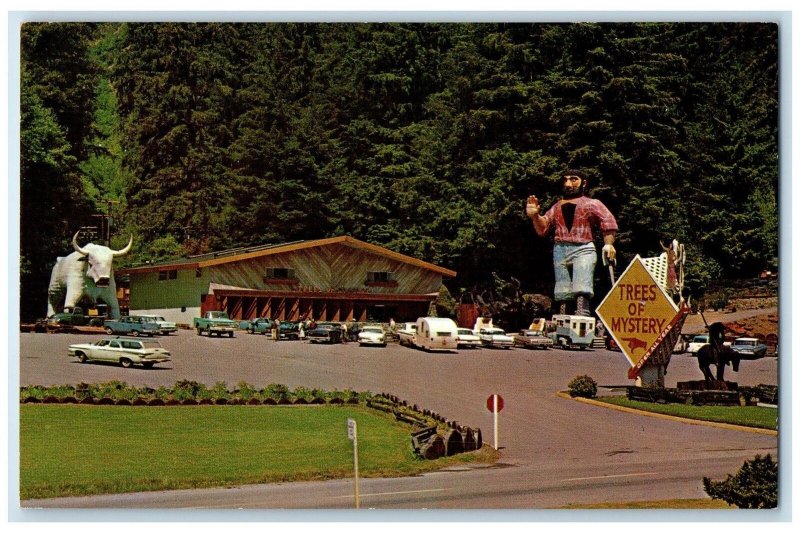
(578, 260)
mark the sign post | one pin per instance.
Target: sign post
(639, 315)
(352, 434)
(494, 404)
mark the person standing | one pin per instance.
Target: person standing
(572, 220)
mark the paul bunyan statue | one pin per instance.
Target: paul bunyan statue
(572, 220)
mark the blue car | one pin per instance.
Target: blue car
(259, 325)
(132, 325)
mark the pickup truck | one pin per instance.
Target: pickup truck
(215, 323)
(73, 317)
(407, 333)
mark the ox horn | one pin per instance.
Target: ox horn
(75, 245)
(124, 250)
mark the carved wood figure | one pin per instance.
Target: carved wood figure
(716, 353)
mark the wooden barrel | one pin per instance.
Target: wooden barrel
(434, 448)
(469, 440)
(453, 442)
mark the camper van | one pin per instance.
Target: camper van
(573, 331)
(436, 334)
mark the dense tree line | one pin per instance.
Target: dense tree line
(425, 138)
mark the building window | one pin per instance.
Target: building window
(380, 279)
(379, 276)
(167, 274)
(280, 273)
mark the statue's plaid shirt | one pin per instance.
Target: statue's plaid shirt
(588, 212)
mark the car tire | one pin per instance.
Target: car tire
(125, 362)
(135, 332)
(199, 331)
(230, 334)
(82, 357)
(149, 364)
(109, 331)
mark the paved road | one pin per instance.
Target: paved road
(554, 451)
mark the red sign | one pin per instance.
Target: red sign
(490, 403)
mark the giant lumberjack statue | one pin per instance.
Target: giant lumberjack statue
(574, 256)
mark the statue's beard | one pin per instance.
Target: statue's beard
(573, 193)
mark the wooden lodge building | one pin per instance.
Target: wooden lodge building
(336, 279)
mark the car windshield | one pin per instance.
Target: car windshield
(465, 332)
(160, 319)
(218, 314)
(701, 338)
(746, 342)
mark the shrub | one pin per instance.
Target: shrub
(755, 486)
(583, 387)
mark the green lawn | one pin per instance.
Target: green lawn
(77, 450)
(750, 416)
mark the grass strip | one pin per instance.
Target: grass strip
(700, 503)
(74, 450)
(748, 416)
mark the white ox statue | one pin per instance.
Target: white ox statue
(85, 275)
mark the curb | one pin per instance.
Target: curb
(720, 425)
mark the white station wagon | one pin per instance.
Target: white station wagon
(122, 350)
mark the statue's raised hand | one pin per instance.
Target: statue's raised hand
(532, 208)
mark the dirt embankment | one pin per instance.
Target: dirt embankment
(751, 322)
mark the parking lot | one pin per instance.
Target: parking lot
(259, 361)
(543, 436)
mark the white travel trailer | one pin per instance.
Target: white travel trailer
(435, 333)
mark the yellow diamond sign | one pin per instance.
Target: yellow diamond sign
(636, 311)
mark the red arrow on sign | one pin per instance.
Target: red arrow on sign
(490, 403)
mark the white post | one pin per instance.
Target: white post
(494, 399)
(352, 433)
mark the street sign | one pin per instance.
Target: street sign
(490, 403)
(636, 312)
(353, 436)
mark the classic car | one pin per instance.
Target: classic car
(372, 335)
(131, 325)
(289, 331)
(328, 332)
(260, 325)
(122, 350)
(696, 343)
(466, 338)
(749, 348)
(530, 338)
(495, 338)
(165, 327)
(611, 344)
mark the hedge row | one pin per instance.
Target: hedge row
(186, 393)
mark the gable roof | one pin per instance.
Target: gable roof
(254, 252)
